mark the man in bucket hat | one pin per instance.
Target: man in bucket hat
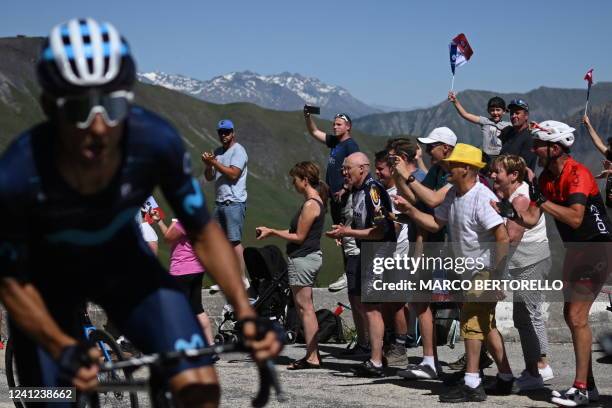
(472, 226)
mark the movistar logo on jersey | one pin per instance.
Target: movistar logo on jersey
(195, 342)
(195, 200)
(92, 238)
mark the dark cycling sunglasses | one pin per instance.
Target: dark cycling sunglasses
(81, 110)
(225, 132)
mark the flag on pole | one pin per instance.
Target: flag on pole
(460, 51)
(589, 77)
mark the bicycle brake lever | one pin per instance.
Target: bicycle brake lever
(268, 379)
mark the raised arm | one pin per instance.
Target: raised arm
(312, 128)
(470, 117)
(599, 144)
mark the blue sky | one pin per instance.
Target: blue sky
(385, 52)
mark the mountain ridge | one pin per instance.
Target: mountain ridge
(285, 91)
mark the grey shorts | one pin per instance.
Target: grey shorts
(303, 271)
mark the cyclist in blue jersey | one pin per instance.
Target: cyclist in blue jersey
(69, 190)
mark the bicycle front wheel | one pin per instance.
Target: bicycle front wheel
(112, 352)
(11, 369)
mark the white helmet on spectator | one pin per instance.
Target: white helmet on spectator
(554, 132)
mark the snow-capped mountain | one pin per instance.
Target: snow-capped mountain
(284, 91)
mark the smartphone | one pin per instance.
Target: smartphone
(312, 110)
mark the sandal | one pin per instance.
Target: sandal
(302, 364)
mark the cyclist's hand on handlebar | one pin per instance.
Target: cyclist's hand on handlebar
(78, 365)
(262, 337)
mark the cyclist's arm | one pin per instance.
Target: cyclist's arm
(216, 253)
(27, 309)
(313, 130)
(572, 215)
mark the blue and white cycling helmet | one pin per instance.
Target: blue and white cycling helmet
(82, 53)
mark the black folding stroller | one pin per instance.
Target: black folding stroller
(269, 291)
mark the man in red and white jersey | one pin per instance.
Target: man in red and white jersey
(568, 192)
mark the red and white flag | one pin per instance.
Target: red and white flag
(589, 77)
(460, 51)
(148, 207)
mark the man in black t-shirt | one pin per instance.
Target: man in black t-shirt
(516, 139)
(342, 145)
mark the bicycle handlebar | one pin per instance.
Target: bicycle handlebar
(267, 372)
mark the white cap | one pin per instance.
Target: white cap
(440, 135)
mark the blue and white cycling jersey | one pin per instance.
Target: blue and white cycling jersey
(76, 234)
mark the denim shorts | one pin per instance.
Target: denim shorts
(230, 216)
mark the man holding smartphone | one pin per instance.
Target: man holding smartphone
(342, 145)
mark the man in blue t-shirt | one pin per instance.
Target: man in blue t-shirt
(342, 145)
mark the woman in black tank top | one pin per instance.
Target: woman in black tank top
(304, 253)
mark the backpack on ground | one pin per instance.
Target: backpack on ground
(330, 328)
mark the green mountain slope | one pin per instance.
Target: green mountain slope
(274, 141)
(545, 103)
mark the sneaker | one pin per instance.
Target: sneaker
(459, 364)
(463, 393)
(593, 394)
(485, 360)
(571, 398)
(419, 372)
(528, 382)
(368, 369)
(500, 387)
(396, 355)
(546, 373)
(214, 289)
(357, 350)
(339, 284)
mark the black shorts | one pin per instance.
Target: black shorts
(191, 285)
(353, 275)
(145, 305)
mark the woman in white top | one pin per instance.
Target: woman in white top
(529, 259)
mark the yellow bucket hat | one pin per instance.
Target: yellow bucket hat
(468, 154)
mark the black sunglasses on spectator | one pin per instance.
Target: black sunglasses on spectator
(431, 146)
(225, 132)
